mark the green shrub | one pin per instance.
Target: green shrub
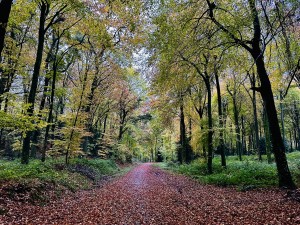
(104, 167)
(77, 175)
(245, 174)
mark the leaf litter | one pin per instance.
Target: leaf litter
(149, 195)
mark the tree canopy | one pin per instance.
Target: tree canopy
(150, 80)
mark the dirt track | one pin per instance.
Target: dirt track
(148, 195)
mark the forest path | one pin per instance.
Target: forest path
(148, 195)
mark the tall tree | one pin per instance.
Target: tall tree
(253, 46)
(234, 91)
(205, 60)
(220, 112)
(43, 28)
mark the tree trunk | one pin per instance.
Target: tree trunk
(243, 144)
(182, 148)
(35, 77)
(291, 141)
(200, 113)
(50, 114)
(5, 8)
(104, 125)
(89, 124)
(104, 129)
(282, 116)
(250, 144)
(6, 75)
(224, 107)
(285, 178)
(210, 127)
(120, 132)
(297, 126)
(221, 125)
(37, 132)
(256, 134)
(237, 127)
(297, 139)
(122, 124)
(267, 136)
(190, 128)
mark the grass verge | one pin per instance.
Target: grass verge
(34, 182)
(246, 174)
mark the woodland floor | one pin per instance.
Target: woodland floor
(148, 195)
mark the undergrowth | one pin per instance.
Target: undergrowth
(79, 174)
(247, 174)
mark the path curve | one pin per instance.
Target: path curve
(148, 195)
